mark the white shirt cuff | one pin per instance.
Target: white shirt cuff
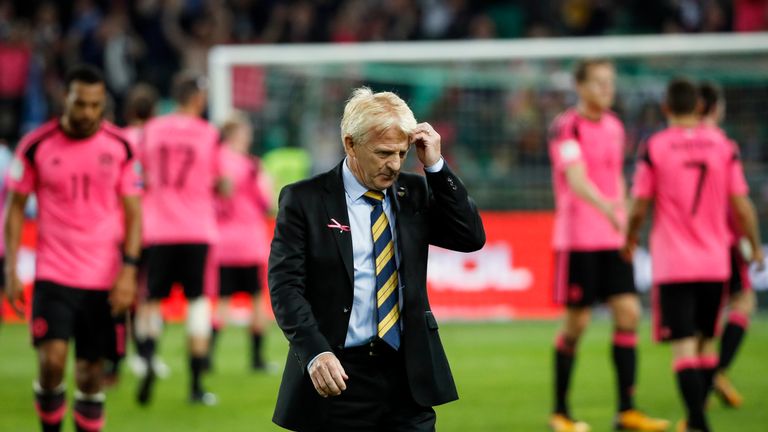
(436, 167)
(309, 365)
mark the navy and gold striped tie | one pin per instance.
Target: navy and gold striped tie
(387, 295)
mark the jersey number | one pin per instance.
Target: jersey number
(81, 186)
(702, 168)
(187, 159)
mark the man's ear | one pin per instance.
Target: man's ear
(665, 109)
(349, 146)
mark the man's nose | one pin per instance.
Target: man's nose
(394, 163)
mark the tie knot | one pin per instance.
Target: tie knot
(373, 197)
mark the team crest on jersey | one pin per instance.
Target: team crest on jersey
(106, 159)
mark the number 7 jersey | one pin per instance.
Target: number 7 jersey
(690, 174)
(179, 155)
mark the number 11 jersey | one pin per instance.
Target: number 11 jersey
(690, 174)
(79, 183)
(179, 156)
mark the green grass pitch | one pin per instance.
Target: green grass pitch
(502, 371)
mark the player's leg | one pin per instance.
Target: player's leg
(676, 323)
(258, 327)
(576, 286)
(685, 355)
(617, 288)
(52, 326)
(742, 305)
(258, 322)
(199, 314)
(575, 323)
(50, 395)
(708, 308)
(160, 278)
(741, 308)
(96, 336)
(625, 311)
(222, 310)
(89, 397)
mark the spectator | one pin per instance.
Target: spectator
(15, 54)
(750, 15)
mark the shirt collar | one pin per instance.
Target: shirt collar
(352, 186)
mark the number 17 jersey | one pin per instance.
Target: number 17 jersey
(690, 173)
(179, 156)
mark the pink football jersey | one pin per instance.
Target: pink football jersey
(79, 184)
(179, 157)
(690, 173)
(242, 217)
(599, 145)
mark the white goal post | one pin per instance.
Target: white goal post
(221, 58)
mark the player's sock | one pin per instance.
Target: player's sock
(708, 365)
(625, 362)
(732, 337)
(51, 405)
(257, 361)
(147, 349)
(196, 369)
(89, 412)
(689, 381)
(565, 350)
(215, 329)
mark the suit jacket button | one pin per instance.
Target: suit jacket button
(346, 310)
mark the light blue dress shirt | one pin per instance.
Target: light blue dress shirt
(362, 320)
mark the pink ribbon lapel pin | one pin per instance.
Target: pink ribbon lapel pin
(337, 225)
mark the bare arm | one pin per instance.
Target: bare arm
(638, 211)
(132, 211)
(576, 176)
(14, 222)
(124, 291)
(746, 219)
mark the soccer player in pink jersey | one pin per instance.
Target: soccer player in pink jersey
(243, 246)
(85, 178)
(586, 148)
(139, 108)
(148, 321)
(180, 160)
(741, 298)
(692, 174)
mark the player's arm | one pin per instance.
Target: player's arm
(14, 222)
(746, 219)
(124, 291)
(582, 186)
(638, 212)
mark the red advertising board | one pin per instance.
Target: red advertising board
(510, 278)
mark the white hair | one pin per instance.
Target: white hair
(368, 113)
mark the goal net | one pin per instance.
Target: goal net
(491, 101)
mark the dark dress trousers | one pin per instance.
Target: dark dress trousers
(311, 281)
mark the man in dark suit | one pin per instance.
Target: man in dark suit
(348, 277)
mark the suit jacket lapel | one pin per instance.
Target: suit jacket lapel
(398, 197)
(336, 208)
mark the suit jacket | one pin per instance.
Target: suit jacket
(311, 280)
